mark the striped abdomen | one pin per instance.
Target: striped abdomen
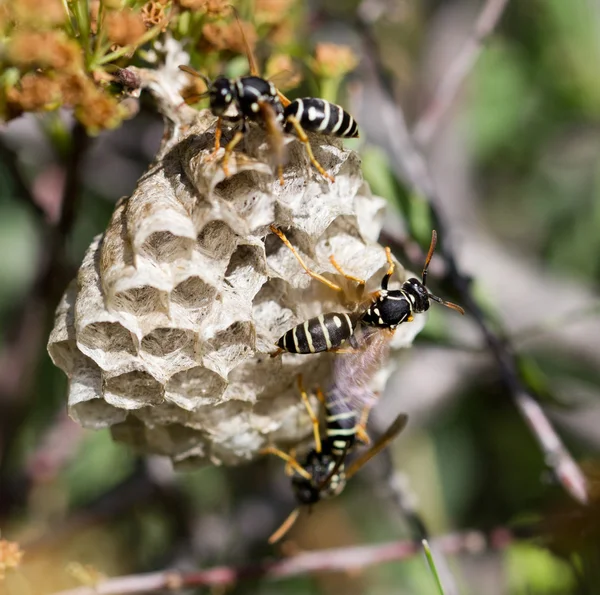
(322, 333)
(318, 115)
(341, 428)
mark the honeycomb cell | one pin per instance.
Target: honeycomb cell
(246, 271)
(164, 342)
(141, 301)
(108, 337)
(194, 388)
(194, 294)
(230, 347)
(218, 239)
(96, 414)
(133, 390)
(163, 246)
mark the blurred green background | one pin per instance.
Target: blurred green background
(516, 162)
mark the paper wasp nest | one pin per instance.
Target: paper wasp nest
(166, 333)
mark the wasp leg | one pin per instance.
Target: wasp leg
(277, 353)
(304, 139)
(284, 100)
(285, 526)
(291, 461)
(289, 470)
(390, 271)
(361, 428)
(341, 271)
(314, 275)
(218, 134)
(313, 418)
(237, 137)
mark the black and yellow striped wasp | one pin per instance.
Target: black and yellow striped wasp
(322, 473)
(256, 99)
(384, 309)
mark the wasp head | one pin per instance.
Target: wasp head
(322, 485)
(222, 93)
(419, 294)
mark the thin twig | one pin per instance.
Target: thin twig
(22, 348)
(10, 161)
(410, 165)
(339, 559)
(457, 72)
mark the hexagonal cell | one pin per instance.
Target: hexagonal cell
(246, 271)
(163, 342)
(163, 246)
(133, 390)
(193, 293)
(96, 414)
(141, 300)
(230, 347)
(107, 336)
(218, 239)
(194, 388)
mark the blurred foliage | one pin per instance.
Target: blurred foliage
(531, 114)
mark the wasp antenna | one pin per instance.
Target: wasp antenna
(456, 307)
(429, 255)
(285, 526)
(249, 52)
(194, 72)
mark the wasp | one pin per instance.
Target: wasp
(322, 473)
(258, 100)
(384, 309)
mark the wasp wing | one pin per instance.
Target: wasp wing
(274, 132)
(354, 370)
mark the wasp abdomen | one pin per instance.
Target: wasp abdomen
(318, 115)
(322, 333)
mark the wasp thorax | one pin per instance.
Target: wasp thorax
(419, 294)
(221, 95)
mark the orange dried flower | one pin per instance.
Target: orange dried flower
(227, 36)
(124, 27)
(98, 111)
(10, 556)
(271, 11)
(73, 88)
(49, 49)
(37, 92)
(213, 8)
(38, 14)
(332, 61)
(283, 71)
(213, 37)
(281, 34)
(153, 14)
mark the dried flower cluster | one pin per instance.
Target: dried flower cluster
(167, 332)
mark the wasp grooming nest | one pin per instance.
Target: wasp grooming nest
(166, 333)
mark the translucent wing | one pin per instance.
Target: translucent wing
(354, 370)
(275, 135)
